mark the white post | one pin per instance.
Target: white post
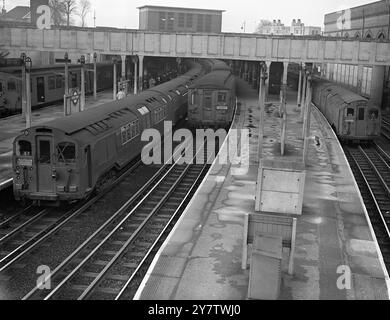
(266, 87)
(82, 86)
(141, 72)
(94, 78)
(135, 76)
(66, 83)
(261, 107)
(28, 100)
(114, 82)
(123, 73)
(307, 125)
(307, 104)
(24, 90)
(299, 89)
(303, 101)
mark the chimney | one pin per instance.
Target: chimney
(274, 21)
(278, 21)
(299, 21)
(294, 22)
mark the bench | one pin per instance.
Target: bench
(260, 224)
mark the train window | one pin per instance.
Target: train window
(1, 87)
(66, 152)
(221, 97)
(52, 83)
(374, 114)
(361, 114)
(11, 85)
(207, 99)
(24, 148)
(44, 151)
(59, 82)
(350, 112)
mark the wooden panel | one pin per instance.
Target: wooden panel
(212, 45)
(48, 39)
(244, 47)
(165, 45)
(296, 48)
(16, 37)
(272, 180)
(83, 40)
(261, 48)
(382, 51)
(364, 51)
(181, 43)
(129, 42)
(330, 50)
(283, 49)
(228, 46)
(34, 38)
(150, 40)
(347, 50)
(313, 50)
(98, 40)
(277, 202)
(196, 44)
(115, 41)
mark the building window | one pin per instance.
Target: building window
(189, 20)
(52, 82)
(11, 85)
(59, 82)
(162, 20)
(199, 26)
(208, 23)
(171, 20)
(181, 20)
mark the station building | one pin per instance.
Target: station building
(297, 28)
(372, 22)
(156, 18)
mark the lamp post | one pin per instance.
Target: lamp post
(28, 65)
(306, 127)
(114, 60)
(82, 85)
(23, 60)
(94, 76)
(66, 73)
(263, 77)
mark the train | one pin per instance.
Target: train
(67, 159)
(351, 116)
(47, 84)
(212, 98)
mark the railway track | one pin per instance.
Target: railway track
(111, 263)
(371, 167)
(385, 129)
(24, 232)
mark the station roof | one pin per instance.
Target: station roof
(180, 9)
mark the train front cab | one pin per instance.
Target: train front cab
(359, 122)
(49, 168)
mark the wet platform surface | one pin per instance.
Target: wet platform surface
(201, 259)
(11, 127)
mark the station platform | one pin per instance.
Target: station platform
(11, 127)
(201, 258)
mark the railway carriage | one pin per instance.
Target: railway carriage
(68, 158)
(212, 99)
(47, 85)
(351, 116)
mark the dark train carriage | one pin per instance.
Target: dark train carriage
(212, 99)
(350, 115)
(47, 84)
(67, 158)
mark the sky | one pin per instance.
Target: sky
(124, 13)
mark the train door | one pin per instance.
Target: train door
(207, 106)
(44, 149)
(40, 89)
(361, 122)
(89, 165)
